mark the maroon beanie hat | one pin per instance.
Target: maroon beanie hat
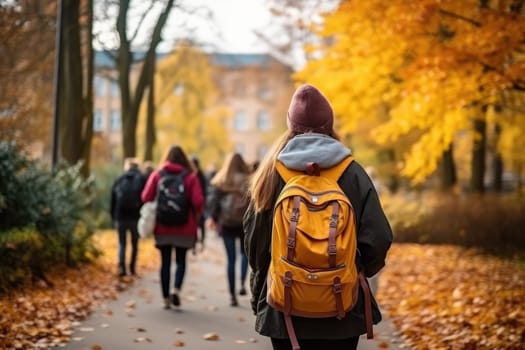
(310, 111)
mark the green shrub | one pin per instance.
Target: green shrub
(56, 205)
(22, 257)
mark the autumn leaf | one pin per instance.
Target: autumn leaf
(211, 336)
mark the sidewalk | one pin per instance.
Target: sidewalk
(137, 320)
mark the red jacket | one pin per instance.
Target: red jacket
(193, 188)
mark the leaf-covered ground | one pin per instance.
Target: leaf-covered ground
(439, 297)
(445, 297)
(40, 316)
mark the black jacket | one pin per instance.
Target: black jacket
(374, 240)
(129, 211)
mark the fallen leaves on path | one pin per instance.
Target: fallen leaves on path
(446, 297)
(42, 317)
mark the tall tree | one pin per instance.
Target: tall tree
(131, 94)
(76, 112)
(433, 63)
(187, 106)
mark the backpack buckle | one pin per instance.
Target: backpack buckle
(291, 242)
(287, 279)
(332, 249)
(295, 215)
(333, 220)
(338, 288)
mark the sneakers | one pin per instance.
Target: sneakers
(121, 271)
(166, 303)
(242, 291)
(175, 300)
(233, 301)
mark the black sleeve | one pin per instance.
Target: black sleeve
(113, 199)
(374, 234)
(257, 240)
(213, 202)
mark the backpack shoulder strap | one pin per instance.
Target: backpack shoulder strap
(334, 172)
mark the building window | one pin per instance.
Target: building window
(264, 92)
(98, 122)
(240, 121)
(115, 121)
(115, 89)
(263, 121)
(99, 85)
(261, 151)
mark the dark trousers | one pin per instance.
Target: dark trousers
(316, 344)
(230, 243)
(123, 227)
(165, 267)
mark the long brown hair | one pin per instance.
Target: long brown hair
(233, 164)
(176, 154)
(264, 182)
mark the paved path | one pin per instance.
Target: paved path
(136, 320)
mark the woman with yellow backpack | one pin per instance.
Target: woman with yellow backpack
(314, 231)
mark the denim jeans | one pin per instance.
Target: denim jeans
(230, 245)
(165, 267)
(123, 227)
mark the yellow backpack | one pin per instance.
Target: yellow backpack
(313, 270)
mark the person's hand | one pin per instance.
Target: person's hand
(211, 224)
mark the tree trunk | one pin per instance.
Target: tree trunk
(88, 93)
(150, 117)
(497, 163)
(447, 171)
(130, 103)
(72, 114)
(478, 157)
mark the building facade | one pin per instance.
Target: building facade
(256, 87)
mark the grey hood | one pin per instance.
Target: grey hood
(312, 147)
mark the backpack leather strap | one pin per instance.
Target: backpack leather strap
(288, 309)
(338, 291)
(368, 306)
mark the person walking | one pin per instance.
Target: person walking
(125, 212)
(204, 186)
(311, 138)
(228, 202)
(176, 188)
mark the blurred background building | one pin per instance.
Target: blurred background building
(256, 88)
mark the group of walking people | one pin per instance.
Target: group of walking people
(310, 142)
(208, 203)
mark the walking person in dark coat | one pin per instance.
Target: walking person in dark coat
(310, 138)
(228, 202)
(125, 212)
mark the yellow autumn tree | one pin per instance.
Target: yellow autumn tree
(188, 112)
(421, 72)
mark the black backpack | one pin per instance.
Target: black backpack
(128, 192)
(173, 205)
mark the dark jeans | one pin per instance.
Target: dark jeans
(165, 267)
(230, 243)
(122, 228)
(316, 344)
